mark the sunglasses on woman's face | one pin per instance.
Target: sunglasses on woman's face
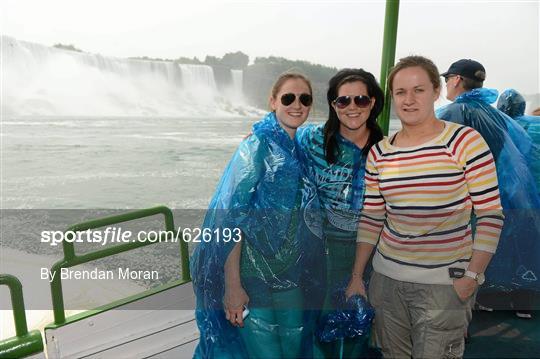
(305, 99)
(343, 101)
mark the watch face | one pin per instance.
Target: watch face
(480, 278)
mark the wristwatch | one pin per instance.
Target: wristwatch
(480, 278)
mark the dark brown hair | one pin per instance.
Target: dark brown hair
(471, 84)
(331, 127)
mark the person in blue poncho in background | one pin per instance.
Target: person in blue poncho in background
(516, 265)
(264, 193)
(336, 153)
(512, 103)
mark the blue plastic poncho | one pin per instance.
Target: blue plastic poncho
(513, 104)
(340, 184)
(351, 318)
(516, 263)
(266, 193)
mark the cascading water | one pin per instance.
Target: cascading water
(46, 81)
(237, 85)
(198, 76)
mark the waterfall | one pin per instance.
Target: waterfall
(198, 76)
(237, 79)
(237, 84)
(47, 81)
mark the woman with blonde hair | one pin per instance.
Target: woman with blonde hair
(260, 196)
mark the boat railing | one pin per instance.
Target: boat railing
(71, 259)
(27, 343)
(24, 343)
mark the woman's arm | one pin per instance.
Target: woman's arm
(235, 296)
(481, 177)
(466, 286)
(230, 208)
(369, 228)
(356, 284)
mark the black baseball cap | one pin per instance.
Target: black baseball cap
(467, 68)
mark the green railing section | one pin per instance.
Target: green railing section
(71, 259)
(388, 58)
(24, 343)
(116, 304)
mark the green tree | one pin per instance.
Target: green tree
(259, 77)
(187, 60)
(67, 47)
(235, 60)
(212, 60)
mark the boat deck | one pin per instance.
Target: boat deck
(500, 334)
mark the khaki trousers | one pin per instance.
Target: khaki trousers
(418, 320)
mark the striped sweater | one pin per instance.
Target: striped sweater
(419, 201)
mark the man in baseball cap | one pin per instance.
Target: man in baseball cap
(467, 68)
(463, 75)
(512, 149)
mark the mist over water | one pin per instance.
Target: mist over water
(46, 81)
(107, 162)
(96, 163)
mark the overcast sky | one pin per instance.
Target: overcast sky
(503, 35)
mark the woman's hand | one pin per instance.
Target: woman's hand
(234, 300)
(356, 286)
(465, 287)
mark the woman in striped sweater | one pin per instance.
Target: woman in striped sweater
(422, 186)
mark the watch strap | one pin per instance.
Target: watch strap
(471, 274)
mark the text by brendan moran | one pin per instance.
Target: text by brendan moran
(119, 273)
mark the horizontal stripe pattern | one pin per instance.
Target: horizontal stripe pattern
(419, 201)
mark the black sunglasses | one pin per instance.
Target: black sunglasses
(343, 101)
(288, 98)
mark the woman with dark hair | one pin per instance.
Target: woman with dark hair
(356, 81)
(336, 153)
